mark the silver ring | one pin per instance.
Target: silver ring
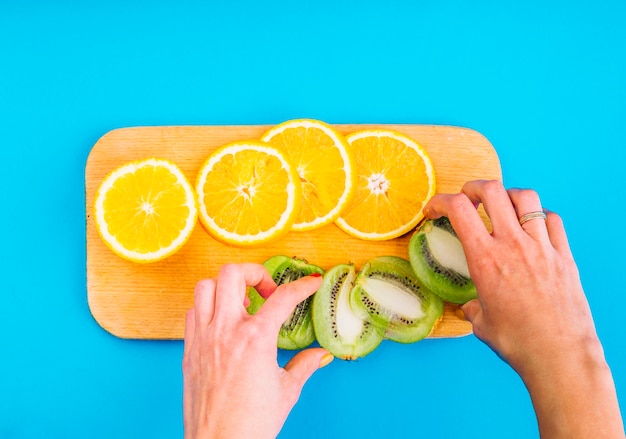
(531, 216)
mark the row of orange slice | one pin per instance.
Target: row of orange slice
(301, 175)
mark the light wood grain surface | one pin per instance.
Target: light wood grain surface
(149, 301)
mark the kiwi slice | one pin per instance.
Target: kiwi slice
(387, 292)
(297, 331)
(337, 328)
(437, 257)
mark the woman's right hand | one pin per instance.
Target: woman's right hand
(531, 308)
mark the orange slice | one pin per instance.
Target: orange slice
(248, 193)
(325, 166)
(395, 180)
(145, 210)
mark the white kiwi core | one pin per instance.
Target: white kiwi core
(349, 325)
(393, 298)
(447, 250)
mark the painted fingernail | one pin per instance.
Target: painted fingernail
(326, 359)
(315, 274)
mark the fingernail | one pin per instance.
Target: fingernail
(315, 274)
(326, 359)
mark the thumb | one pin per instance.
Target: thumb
(300, 368)
(285, 298)
(471, 310)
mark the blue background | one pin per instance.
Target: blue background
(543, 81)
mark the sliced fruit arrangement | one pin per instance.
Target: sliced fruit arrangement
(395, 180)
(248, 193)
(353, 312)
(438, 259)
(337, 327)
(302, 174)
(297, 331)
(325, 166)
(145, 210)
(387, 292)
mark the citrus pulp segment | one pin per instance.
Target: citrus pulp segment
(248, 193)
(325, 166)
(145, 210)
(395, 180)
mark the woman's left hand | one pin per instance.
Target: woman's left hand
(233, 385)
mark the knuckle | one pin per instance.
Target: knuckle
(229, 269)
(554, 218)
(459, 201)
(493, 187)
(256, 326)
(519, 244)
(204, 285)
(254, 329)
(529, 196)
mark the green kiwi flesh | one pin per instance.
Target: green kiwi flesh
(297, 331)
(337, 328)
(437, 258)
(387, 292)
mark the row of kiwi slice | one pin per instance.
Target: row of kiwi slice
(389, 298)
(353, 312)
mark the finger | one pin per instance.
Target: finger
(471, 310)
(232, 283)
(300, 368)
(556, 233)
(204, 302)
(282, 302)
(188, 341)
(266, 285)
(527, 201)
(465, 220)
(189, 332)
(497, 204)
(474, 314)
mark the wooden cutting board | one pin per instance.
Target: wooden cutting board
(149, 301)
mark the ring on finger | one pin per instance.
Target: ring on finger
(531, 216)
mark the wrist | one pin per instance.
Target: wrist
(573, 393)
(563, 362)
